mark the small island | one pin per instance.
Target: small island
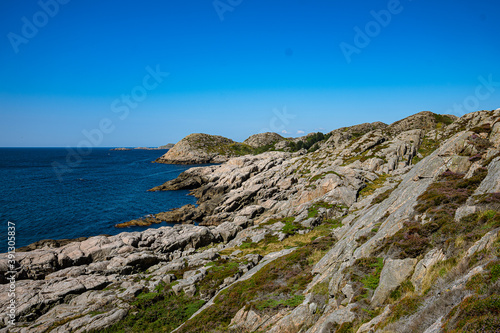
(167, 146)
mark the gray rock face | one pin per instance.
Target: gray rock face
(495, 134)
(436, 327)
(226, 231)
(250, 321)
(337, 316)
(422, 120)
(370, 326)
(485, 242)
(106, 260)
(263, 139)
(464, 211)
(423, 267)
(250, 200)
(390, 213)
(393, 274)
(293, 321)
(491, 183)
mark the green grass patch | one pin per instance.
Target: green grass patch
(320, 289)
(161, 313)
(287, 276)
(293, 301)
(405, 288)
(483, 283)
(404, 307)
(443, 119)
(364, 275)
(322, 175)
(222, 269)
(290, 228)
(475, 314)
(362, 158)
(370, 188)
(314, 209)
(268, 239)
(427, 147)
(494, 268)
(372, 280)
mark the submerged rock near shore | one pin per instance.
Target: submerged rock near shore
(372, 228)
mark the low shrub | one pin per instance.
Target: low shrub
(439, 203)
(475, 314)
(161, 312)
(278, 284)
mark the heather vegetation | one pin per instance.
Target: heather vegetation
(279, 284)
(159, 311)
(439, 203)
(355, 235)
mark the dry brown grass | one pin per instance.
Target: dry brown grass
(292, 241)
(439, 270)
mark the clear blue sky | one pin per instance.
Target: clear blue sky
(236, 76)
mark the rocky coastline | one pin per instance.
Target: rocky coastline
(373, 228)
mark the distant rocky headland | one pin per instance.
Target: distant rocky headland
(167, 146)
(202, 148)
(370, 228)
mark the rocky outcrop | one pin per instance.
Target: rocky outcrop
(263, 139)
(424, 120)
(356, 236)
(391, 277)
(49, 243)
(68, 283)
(423, 267)
(199, 149)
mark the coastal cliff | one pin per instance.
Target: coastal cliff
(370, 228)
(204, 148)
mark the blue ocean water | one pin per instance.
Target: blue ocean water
(103, 189)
